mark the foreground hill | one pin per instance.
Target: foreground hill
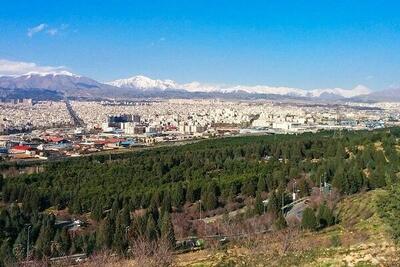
(361, 238)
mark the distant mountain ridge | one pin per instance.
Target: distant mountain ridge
(145, 83)
(61, 84)
(65, 83)
(388, 95)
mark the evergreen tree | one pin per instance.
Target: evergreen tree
(178, 196)
(97, 212)
(261, 185)
(280, 221)
(190, 195)
(249, 188)
(309, 221)
(340, 180)
(6, 254)
(166, 203)
(209, 197)
(151, 229)
(1, 182)
(125, 216)
(114, 209)
(167, 229)
(76, 207)
(119, 240)
(258, 206)
(44, 239)
(325, 216)
(65, 241)
(304, 188)
(273, 203)
(104, 235)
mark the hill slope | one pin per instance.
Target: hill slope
(361, 238)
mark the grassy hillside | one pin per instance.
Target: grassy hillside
(361, 238)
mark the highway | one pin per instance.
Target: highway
(78, 122)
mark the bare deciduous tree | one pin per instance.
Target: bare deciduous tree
(151, 252)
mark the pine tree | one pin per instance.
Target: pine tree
(325, 216)
(125, 216)
(273, 203)
(166, 203)
(304, 188)
(44, 239)
(6, 254)
(119, 239)
(261, 185)
(209, 197)
(280, 221)
(249, 188)
(1, 182)
(178, 196)
(114, 209)
(190, 196)
(76, 207)
(104, 236)
(167, 229)
(258, 206)
(65, 241)
(340, 180)
(309, 221)
(151, 229)
(97, 212)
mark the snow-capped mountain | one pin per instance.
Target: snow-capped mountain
(356, 91)
(145, 83)
(61, 84)
(387, 95)
(65, 83)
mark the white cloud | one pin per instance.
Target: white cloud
(39, 28)
(9, 68)
(52, 32)
(47, 29)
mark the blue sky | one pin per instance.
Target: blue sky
(305, 44)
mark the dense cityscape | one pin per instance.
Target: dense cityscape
(47, 128)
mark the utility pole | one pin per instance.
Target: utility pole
(126, 232)
(320, 184)
(294, 190)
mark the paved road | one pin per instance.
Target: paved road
(78, 122)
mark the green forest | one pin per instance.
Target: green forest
(162, 182)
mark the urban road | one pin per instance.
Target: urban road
(78, 122)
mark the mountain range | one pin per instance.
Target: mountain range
(61, 84)
(145, 83)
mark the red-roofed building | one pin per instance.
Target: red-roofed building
(54, 139)
(21, 149)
